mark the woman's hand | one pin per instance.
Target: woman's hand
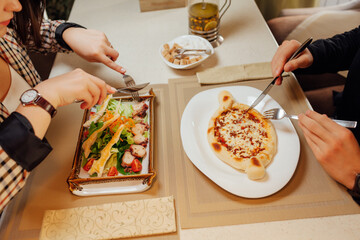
(75, 85)
(93, 46)
(334, 146)
(283, 53)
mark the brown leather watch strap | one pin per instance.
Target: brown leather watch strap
(42, 102)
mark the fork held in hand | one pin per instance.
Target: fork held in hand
(129, 82)
(278, 113)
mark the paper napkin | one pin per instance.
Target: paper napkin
(109, 221)
(235, 73)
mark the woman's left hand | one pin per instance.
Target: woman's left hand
(93, 46)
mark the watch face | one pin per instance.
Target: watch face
(29, 96)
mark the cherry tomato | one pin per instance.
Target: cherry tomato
(86, 133)
(88, 165)
(136, 165)
(112, 171)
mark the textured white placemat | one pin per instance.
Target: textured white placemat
(109, 221)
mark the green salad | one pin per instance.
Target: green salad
(115, 140)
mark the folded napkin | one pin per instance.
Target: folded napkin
(235, 73)
(109, 221)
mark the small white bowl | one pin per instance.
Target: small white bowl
(189, 41)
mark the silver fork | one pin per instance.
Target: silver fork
(180, 51)
(129, 82)
(279, 113)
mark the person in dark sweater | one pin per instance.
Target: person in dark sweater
(335, 147)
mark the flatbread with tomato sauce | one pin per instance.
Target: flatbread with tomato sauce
(245, 140)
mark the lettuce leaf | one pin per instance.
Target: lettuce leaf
(111, 162)
(146, 119)
(146, 134)
(112, 105)
(95, 126)
(83, 160)
(126, 110)
(127, 136)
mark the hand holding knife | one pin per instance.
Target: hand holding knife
(302, 47)
(126, 90)
(131, 89)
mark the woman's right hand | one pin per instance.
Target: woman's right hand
(75, 85)
(334, 146)
(283, 53)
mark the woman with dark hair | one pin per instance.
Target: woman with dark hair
(24, 123)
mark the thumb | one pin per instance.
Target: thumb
(303, 61)
(290, 66)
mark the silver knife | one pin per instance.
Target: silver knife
(131, 89)
(125, 90)
(267, 89)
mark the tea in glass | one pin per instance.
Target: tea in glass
(203, 16)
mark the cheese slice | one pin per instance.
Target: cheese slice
(98, 165)
(92, 138)
(98, 114)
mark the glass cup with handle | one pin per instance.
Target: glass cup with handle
(204, 19)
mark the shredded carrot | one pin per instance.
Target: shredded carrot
(108, 114)
(129, 122)
(114, 124)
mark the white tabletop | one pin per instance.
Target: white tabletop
(138, 37)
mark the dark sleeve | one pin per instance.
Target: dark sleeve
(60, 30)
(334, 54)
(18, 140)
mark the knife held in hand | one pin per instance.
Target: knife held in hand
(125, 90)
(131, 89)
(302, 47)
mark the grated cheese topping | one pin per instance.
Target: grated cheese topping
(244, 135)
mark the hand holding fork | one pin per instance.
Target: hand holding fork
(129, 82)
(278, 113)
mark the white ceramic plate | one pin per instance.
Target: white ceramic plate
(189, 42)
(194, 124)
(133, 186)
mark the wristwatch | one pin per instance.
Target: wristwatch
(33, 97)
(355, 192)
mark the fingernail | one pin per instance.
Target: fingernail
(113, 89)
(122, 70)
(83, 105)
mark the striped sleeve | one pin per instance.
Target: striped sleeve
(12, 178)
(49, 42)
